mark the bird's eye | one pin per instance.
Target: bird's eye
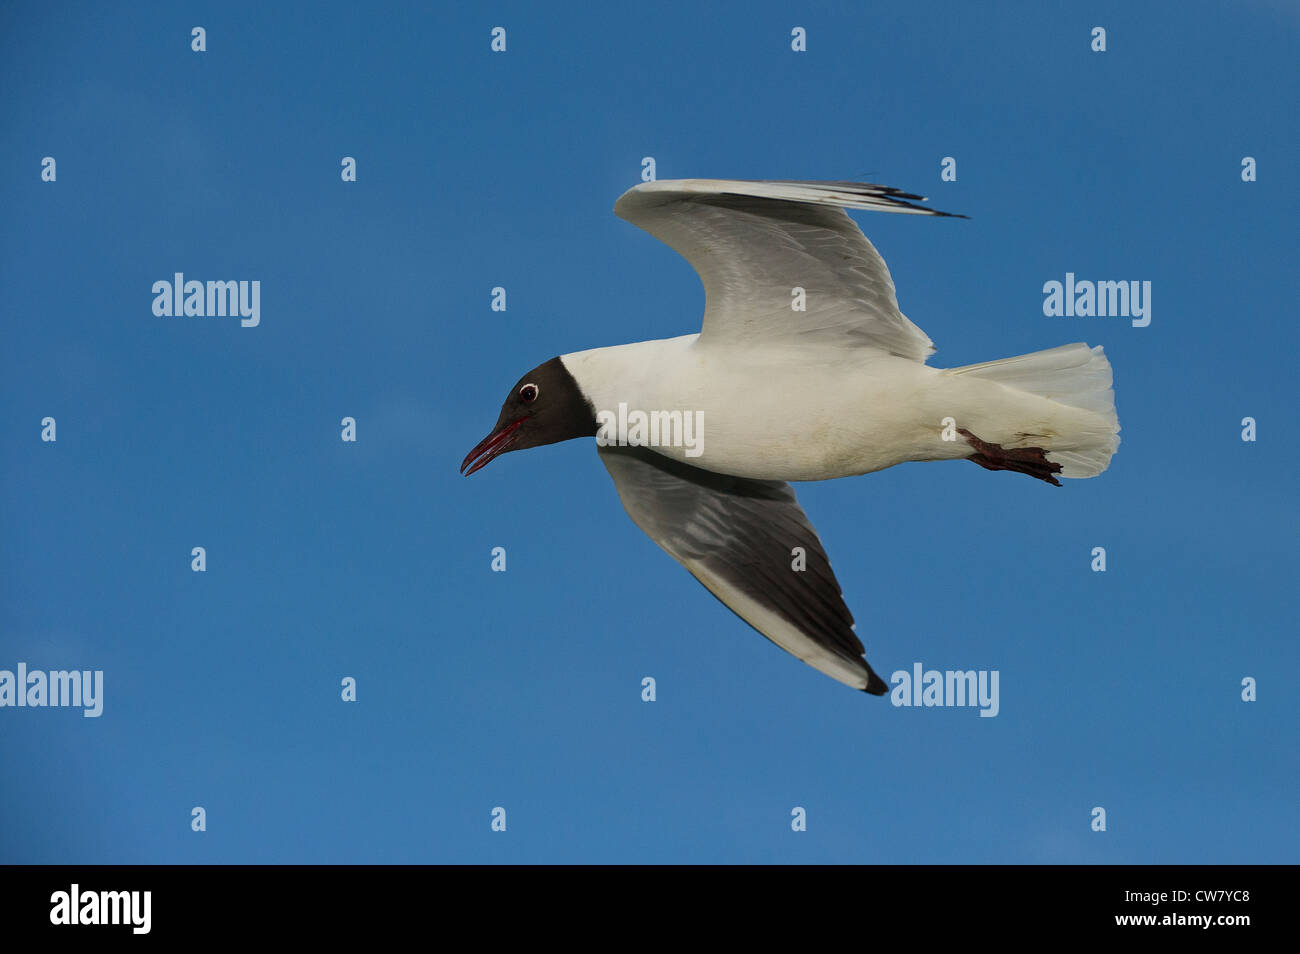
(528, 393)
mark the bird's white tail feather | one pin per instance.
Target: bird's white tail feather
(1074, 375)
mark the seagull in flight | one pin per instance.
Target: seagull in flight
(804, 369)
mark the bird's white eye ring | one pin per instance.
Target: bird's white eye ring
(528, 393)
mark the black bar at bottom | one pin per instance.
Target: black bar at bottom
(334, 903)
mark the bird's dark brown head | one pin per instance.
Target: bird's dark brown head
(546, 405)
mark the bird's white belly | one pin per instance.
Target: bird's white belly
(762, 415)
(805, 427)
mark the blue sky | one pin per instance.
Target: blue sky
(521, 689)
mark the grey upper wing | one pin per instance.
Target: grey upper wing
(752, 243)
(736, 536)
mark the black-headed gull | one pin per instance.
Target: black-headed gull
(805, 369)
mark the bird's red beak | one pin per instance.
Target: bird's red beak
(491, 446)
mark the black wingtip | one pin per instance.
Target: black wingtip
(875, 685)
(928, 210)
(940, 213)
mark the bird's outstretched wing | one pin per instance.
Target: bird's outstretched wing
(754, 243)
(737, 537)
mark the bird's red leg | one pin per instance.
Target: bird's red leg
(1023, 460)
